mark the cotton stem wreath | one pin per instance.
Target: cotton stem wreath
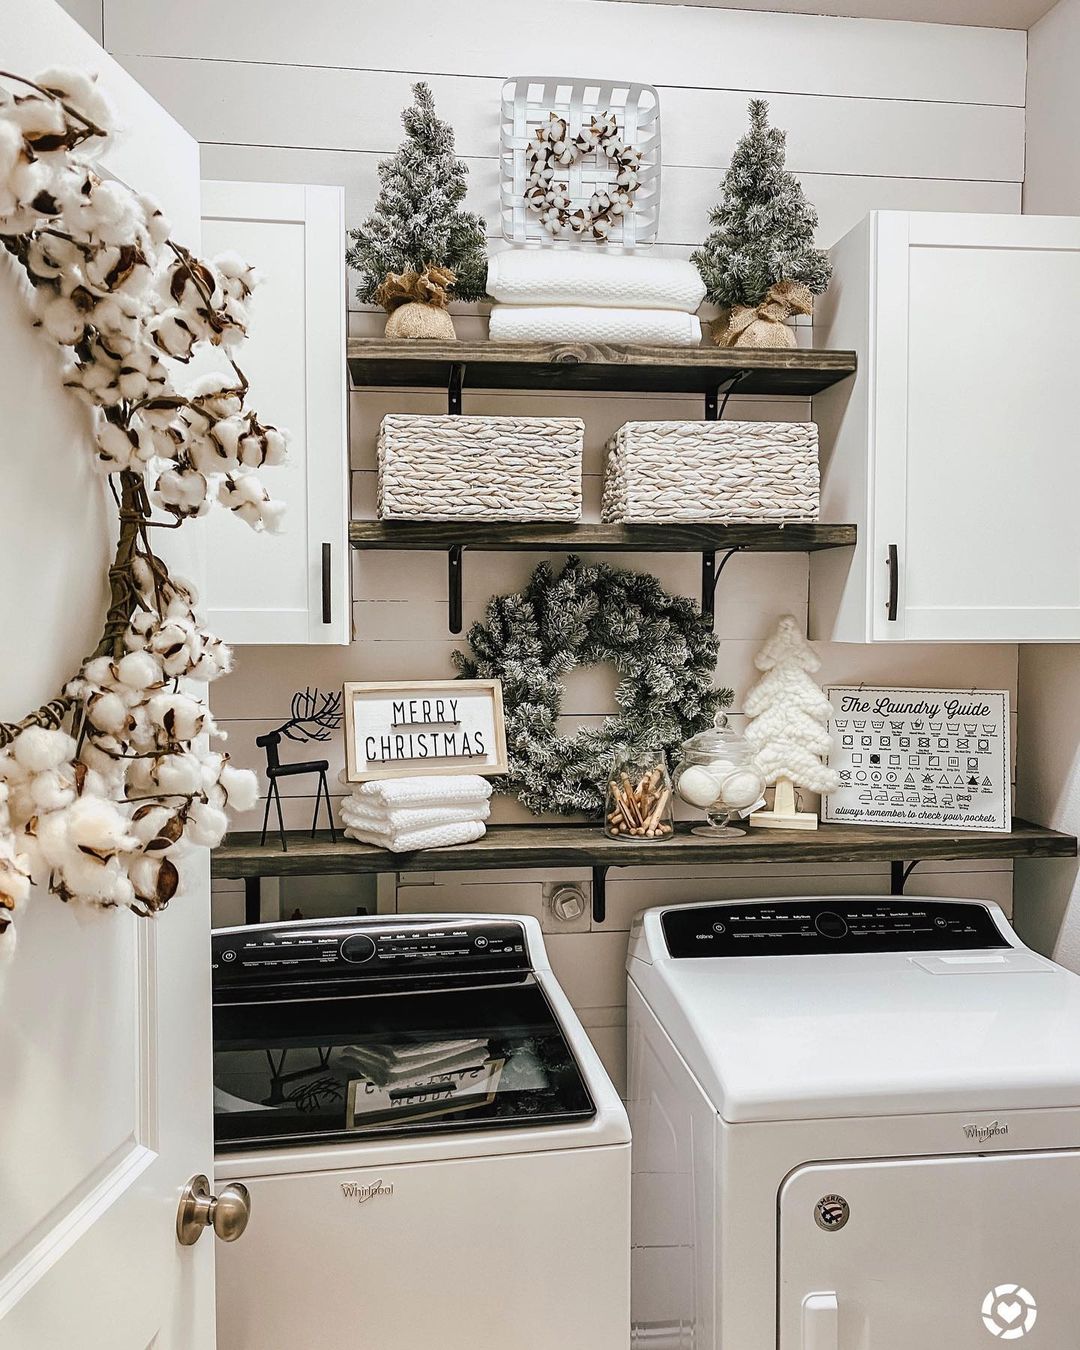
(103, 786)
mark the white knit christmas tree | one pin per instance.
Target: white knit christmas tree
(788, 728)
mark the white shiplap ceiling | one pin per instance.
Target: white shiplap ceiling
(976, 13)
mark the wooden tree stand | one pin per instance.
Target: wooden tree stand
(783, 815)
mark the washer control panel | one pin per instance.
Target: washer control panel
(267, 953)
(835, 924)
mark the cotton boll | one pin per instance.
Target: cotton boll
(155, 880)
(39, 748)
(277, 446)
(94, 824)
(50, 791)
(273, 515)
(62, 317)
(108, 712)
(79, 91)
(218, 395)
(139, 671)
(38, 118)
(241, 787)
(183, 492)
(214, 661)
(159, 829)
(119, 447)
(176, 775)
(206, 825)
(180, 717)
(174, 333)
(157, 224)
(210, 457)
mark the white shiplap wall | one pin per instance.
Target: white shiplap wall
(879, 114)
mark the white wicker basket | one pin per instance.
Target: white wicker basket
(718, 471)
(480, 468)
(527, 102)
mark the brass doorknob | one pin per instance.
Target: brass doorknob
(227, 1213)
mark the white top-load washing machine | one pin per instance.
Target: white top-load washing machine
(435, 1154)
(856, 1127)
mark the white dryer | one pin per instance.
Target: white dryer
(856, 1127)
(434, 1152)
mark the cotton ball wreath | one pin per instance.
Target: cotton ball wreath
(103, 785)
(789, 718)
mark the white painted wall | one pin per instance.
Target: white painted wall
(1048, 896)
(880, 114)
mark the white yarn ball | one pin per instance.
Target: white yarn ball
(742, 789)
(698, 787)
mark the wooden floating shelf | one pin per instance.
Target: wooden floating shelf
(586, 846)
(511, 537)
(379, 362)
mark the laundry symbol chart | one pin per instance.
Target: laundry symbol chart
(936, 758)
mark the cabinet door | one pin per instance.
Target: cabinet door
(933, 1252)
(293, 587)
(975, 474)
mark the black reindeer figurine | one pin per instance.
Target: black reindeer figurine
(314, 717)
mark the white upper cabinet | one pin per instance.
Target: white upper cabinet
(954, 449)
(292, 587)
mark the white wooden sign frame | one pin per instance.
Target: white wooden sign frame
(937, 759)
(370, 709)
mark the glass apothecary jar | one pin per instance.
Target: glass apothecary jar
(717, 775)
(640, 798)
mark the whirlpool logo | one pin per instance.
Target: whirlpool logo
(353, 1190)
(981, 1133)
(1009, 1312)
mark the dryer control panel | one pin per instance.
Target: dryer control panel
(832, 925)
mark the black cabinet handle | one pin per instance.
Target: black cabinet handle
(327, 613)
(894, 583)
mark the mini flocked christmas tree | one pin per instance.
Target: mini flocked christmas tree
(759, 264)
(788, 729)
(418, 249)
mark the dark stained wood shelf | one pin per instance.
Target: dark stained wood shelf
(586, 846)
(794, 537)
(381, 362)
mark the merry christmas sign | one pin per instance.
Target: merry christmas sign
(399, 730)
(938, 758)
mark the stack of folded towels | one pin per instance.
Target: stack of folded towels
(579, 295)
(403, 814)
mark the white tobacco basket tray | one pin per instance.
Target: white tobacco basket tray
(528, 100)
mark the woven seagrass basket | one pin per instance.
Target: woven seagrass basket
(480, 468)
(718, 471)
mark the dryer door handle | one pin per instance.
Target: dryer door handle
(820, 1322)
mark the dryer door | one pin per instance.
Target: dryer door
(958, 1252)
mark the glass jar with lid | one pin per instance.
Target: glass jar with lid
(717, 774)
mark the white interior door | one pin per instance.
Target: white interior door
(105, 1076)
(956, 1252)
(976, 471)
(293, 587)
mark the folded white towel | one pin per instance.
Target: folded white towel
(557, 276)
(579, 323)
(440, 836)
(422, 790)
(365, 816)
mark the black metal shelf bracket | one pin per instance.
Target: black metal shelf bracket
(454, 387)
(714, 409)
(898, 875)
(599, 894)
(710, 575)
(454, 569)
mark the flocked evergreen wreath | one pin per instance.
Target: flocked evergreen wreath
(587, 615)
